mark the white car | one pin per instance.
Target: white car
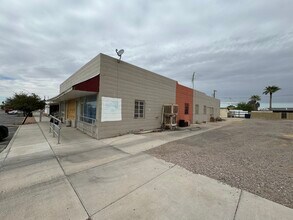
(13, 112)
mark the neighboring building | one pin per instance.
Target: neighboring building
(205, 107)
(106, 98)
(51, 108)
(224, 112)
(275, 114)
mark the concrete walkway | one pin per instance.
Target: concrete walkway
(85, 178)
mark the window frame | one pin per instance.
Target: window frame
(186, 108)
(139, 109)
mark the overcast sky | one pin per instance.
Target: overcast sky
(235, 47)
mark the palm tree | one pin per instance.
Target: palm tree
(254, 101)
(270, 90)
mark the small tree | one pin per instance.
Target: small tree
(270, 90)
(244, 106)
(2, 105)
(254, 102)
(25, 102)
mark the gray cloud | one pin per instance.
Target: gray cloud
(235, 47)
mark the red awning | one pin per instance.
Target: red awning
(90, 85)
(85, 88)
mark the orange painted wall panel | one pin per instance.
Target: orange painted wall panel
(184, 95)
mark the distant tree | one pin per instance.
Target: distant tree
(244, 106)
(25, 102)
(254, 102)
(231, 107)
(270, 90)
(2, 105)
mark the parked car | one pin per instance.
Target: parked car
(13, 112)
(3, 132)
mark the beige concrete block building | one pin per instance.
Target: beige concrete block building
(106, 98)
(205, 107)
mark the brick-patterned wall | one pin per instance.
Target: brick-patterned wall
(184, 95)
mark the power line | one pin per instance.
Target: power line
(235, 97)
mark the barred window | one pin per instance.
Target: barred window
(186, 108)
(139, 107)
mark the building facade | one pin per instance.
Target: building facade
(107, 98)
(205, 107)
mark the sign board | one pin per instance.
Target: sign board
(111, 109)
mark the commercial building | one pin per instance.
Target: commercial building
(107, 97)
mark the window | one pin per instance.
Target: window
(196, 109)
(139, 109)
(204, 110)
(88, 108)
(186, 108)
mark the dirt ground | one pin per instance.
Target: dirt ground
(30, 120)
(253, 155)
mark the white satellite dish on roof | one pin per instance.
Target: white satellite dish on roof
(119, 53)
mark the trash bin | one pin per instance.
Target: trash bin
(247, 115)
(181, 123)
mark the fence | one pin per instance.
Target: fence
(237, 114)
(55, 127)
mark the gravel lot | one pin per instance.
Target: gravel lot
(254, 155)
(12, 122)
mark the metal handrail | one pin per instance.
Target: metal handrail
(55, 127)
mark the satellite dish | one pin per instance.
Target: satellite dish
(119, 53)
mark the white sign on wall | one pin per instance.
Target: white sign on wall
(111, 109)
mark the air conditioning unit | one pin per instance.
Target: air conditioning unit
(171, 121)
(169, 115)
(170, 109)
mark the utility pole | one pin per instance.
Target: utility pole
(193, 79)
(214, 94)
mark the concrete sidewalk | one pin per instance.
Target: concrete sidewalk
(113, 179)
